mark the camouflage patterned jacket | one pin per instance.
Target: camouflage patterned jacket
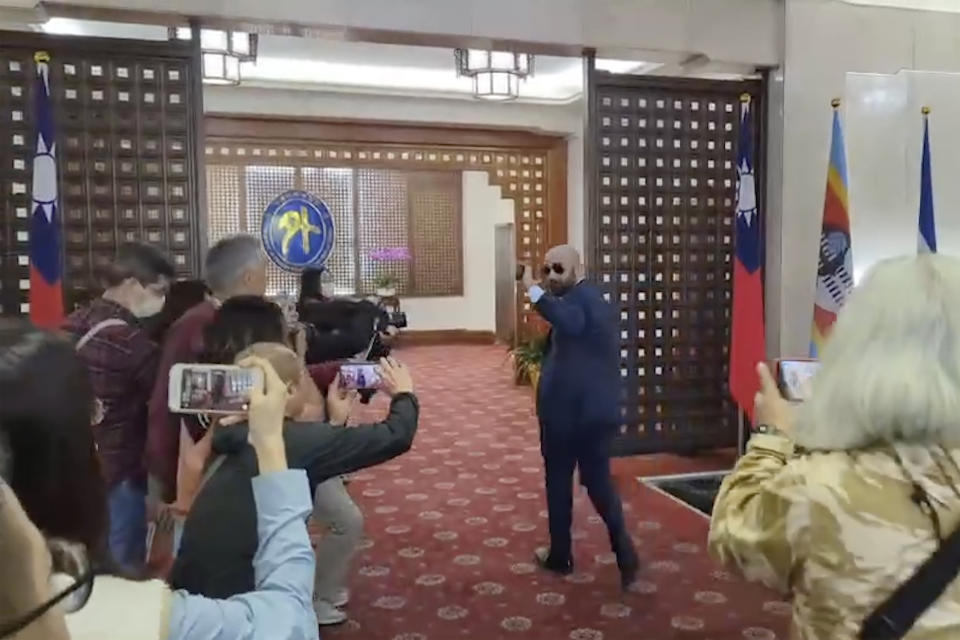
(837, 530)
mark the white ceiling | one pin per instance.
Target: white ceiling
(950, 6)
(331, 65)
(360, 67)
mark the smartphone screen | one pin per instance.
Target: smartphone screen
(796, 377)
(359, 375)
(204, 388)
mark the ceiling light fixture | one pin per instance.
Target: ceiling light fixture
(221, 52)
(496, 74)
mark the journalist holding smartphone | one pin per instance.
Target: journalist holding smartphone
(849, 501)
(44, 576)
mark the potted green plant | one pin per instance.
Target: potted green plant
(527, 360)
(386, 285)
(389, 258)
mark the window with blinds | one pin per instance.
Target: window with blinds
(373, 209)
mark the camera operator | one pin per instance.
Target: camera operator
(340, 328)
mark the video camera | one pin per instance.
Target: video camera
(346, 329)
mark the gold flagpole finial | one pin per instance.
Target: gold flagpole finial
(41, 56)
(835, 103)
(925, 110)
(745, 98)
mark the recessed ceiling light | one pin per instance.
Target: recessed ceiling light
(624, 66)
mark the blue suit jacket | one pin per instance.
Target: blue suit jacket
(580, 376)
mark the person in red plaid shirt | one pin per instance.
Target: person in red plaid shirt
(235, 265)
(122, 362)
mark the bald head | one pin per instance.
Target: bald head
(565, 268)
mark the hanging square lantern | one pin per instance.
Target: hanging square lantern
(221, 52)
(496, 74)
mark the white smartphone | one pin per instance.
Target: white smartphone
(795, 378)
(359, 375)
(211, 388)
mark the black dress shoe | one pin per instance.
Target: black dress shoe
(542, 557)
(629, 568)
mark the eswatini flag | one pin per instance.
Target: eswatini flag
(46, 295)
(748, 339)
(835, 266)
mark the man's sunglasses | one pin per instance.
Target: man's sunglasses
(556, 267)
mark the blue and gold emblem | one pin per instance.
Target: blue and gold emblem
(297, 231)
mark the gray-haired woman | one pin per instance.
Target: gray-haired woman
(840, 501)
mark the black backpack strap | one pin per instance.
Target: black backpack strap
(894, 618)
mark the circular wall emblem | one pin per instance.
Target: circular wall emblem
(297, 231)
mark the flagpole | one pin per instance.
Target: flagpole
(741, 434)
(741, 423)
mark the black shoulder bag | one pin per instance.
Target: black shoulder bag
(894, 617)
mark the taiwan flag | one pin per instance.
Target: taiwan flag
(748, 338)
(46, 294)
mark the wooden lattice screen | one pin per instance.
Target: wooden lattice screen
(372, 208)
(663, 161)
(126, 115)
(530, 169)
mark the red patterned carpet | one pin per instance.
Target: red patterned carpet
(452, 525)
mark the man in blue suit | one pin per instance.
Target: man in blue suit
(578, 403)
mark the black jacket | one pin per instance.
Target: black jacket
(220, 534)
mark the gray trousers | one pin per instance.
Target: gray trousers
(338, 513)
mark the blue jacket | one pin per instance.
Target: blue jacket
(281, 607)
(580, 376)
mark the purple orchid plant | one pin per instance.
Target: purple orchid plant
(389, 254)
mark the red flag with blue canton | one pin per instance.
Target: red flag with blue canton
(46, 292)
(747, 335)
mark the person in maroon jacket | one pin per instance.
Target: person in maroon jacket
(122, 362)
(234, 266)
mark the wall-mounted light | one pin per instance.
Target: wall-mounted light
(221, 52)
(496, 74)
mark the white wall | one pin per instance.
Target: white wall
(483, 209)
(885, 129)
(824, 40)
(565, 120)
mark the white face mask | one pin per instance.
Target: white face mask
(151, 306)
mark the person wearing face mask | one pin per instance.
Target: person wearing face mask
(578, 404)
(122, 362)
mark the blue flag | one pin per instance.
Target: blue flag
(927, 236)
(46, 297)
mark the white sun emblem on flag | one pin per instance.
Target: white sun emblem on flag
(45, 178)
(747, 193)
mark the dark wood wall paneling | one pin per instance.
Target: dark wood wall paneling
(127, 118)
(661, 204)
(530, 168)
